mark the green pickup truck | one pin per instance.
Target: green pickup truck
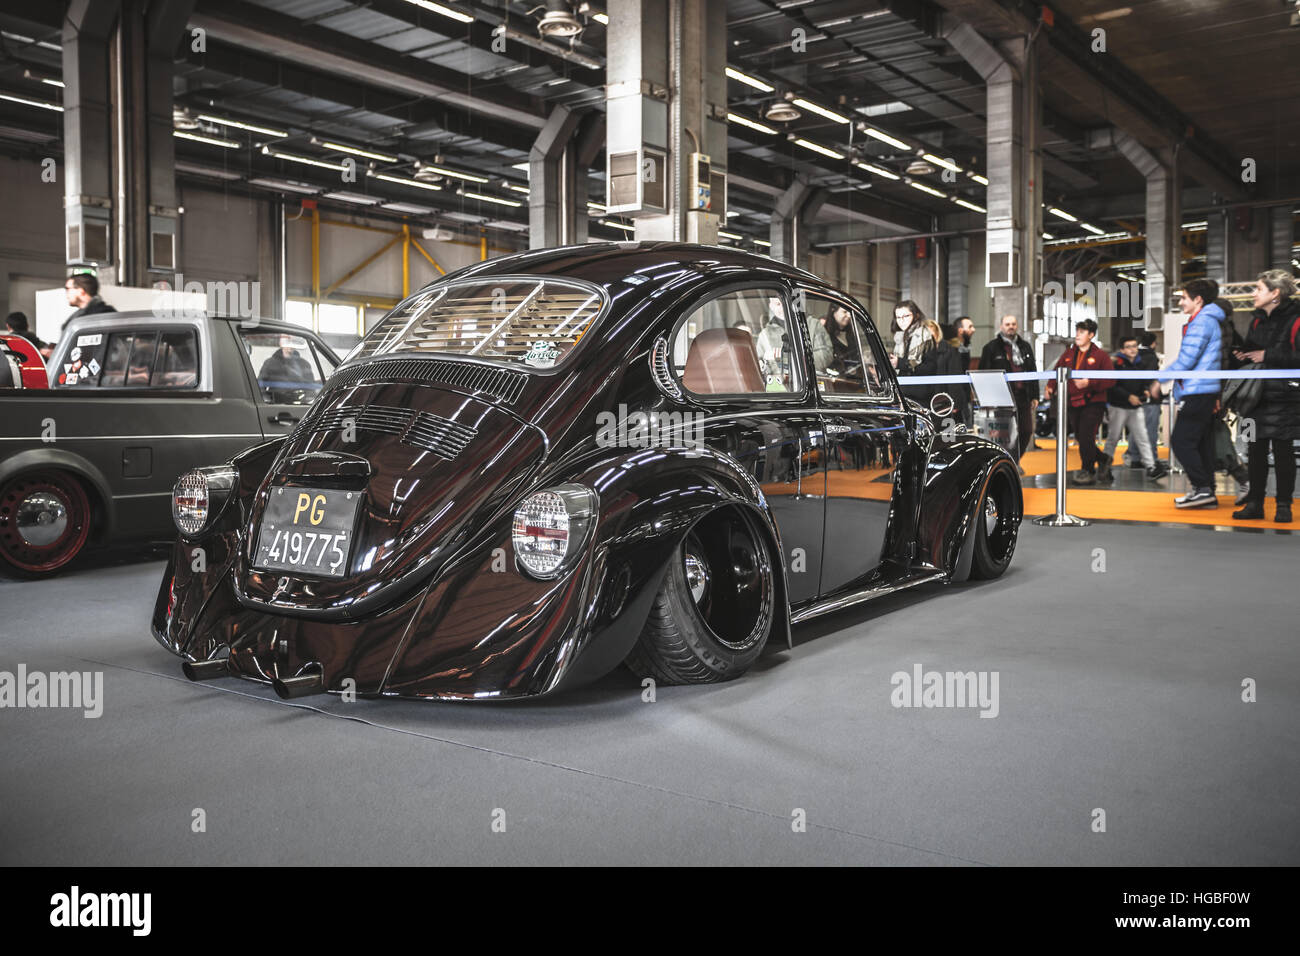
(135, 400)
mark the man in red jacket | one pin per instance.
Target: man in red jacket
(1087, 397)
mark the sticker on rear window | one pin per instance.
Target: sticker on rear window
(88, 340)
(541, 355)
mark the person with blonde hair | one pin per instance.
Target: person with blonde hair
(1274, 342)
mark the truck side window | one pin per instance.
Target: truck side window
(119, 350)
(286, 374)
(178, 361)
(140, 366)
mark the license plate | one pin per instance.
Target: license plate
(307, 530)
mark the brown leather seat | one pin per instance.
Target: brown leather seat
(723, 362)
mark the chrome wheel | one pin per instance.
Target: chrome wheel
(697, 576)
(990, 515)
(41, 518)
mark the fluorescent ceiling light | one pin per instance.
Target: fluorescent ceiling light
(732, 214)
(746, 121)
(406, 182)
(886, 138)
(812, 107)
(236, 124)
(1062, 214)
(876, 170)
(1048, 235)
(1093, 229)
(978, 178)
(881, 109)
(305, 160)
(1196, 226)
(816, 148)
(601, 18)
(195, 169)
(970, 205)
(40, 104)
(406, 207)
(360, 199)
(523, 166)
(730, 235)
(517, 188)
(50, 82)
(382, 157)
(496, 199)
(762, 242)
(749, 80)
(18, 37)
(439, 9)
(926, 189)
(592, 204)
(286, 184)
(469, 177)
(210, 140)
(945, 163)
(616, 225)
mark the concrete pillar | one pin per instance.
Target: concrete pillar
(88, 184)
(552, 210)
(665, 104)
(794, 210)
(1014, 166)
(1282, 235)
(958, 267)
(1216, 246)
(1164, 232)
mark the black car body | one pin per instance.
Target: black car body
(135, 400)
(547, 464)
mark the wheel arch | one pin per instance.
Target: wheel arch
(103, 509)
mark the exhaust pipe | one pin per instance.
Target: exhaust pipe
(304, 685)
(207, 670)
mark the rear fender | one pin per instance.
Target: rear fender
(44, 459)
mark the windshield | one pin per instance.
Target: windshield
(532, 322)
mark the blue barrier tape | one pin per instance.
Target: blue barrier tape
(1050, 376)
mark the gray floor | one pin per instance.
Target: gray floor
(1118, 690)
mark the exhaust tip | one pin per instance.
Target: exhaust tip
(304, 685)
(206, 670)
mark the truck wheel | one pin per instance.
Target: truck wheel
(44, 521)
(714, 611)
(997, 525)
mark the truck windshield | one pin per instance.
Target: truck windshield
(526, 321)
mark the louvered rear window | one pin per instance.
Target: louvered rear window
(531, 322)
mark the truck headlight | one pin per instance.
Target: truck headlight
(199, 496)
(551, 527)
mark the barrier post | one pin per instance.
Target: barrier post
(1062, 518)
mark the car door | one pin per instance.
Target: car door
(286, 373)
(866, 435)
(740, 368)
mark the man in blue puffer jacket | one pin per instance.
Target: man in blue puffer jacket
(1193, 438)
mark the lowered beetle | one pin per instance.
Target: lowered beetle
(548, 464)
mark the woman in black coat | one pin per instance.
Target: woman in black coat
(1274, 340)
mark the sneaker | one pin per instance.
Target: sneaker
(1157, 471)
(1198, 498)
(1104, 475)
(1283, 513)
(1244, 496)
(1252, 512)
(1082, 477)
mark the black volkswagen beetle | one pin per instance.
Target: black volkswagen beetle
(545, 465)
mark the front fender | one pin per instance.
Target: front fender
(956, 474)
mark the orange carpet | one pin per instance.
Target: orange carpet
(1106, 503)
(1043, 461)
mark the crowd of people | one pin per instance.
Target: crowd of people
(1266, 411)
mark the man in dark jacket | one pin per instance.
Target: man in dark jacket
(1087, 398)
(1274, 340)
(83, 295)
(1008, 352)
(1126, 399)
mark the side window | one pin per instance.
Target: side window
(842, 352)
(286, 374)
(118, 351)
(738, 344)
(177, 365)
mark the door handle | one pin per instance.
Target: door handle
(284, 418)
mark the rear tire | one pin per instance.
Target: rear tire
(44, 522)
(713, 613)
(997, 526)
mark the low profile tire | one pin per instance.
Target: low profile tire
(997, 525)
(44, 522)
(714, 611)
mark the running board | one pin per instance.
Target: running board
(842, 601)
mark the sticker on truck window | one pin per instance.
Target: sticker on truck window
(89, 340)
